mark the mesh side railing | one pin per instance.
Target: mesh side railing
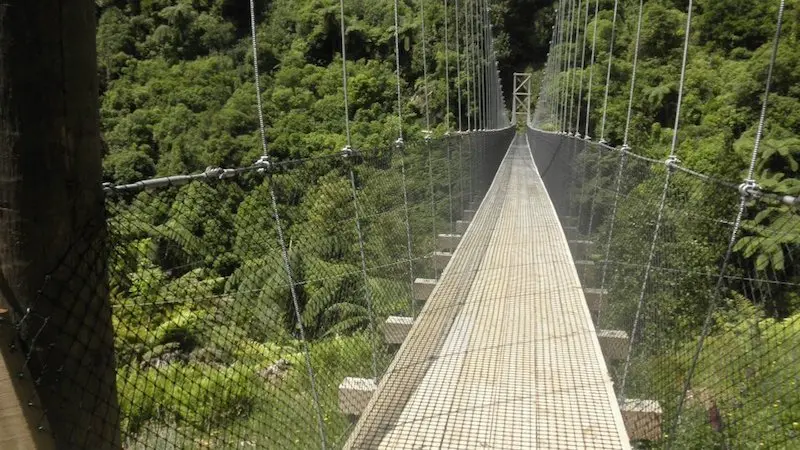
(240, 300)
(702, 347)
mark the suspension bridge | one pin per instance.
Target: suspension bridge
(480, 287)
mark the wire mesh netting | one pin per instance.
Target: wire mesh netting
(241, 303)
(701, 342)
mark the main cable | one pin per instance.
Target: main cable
(344, 74)
(257, 78)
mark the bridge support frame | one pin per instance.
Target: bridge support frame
(522, 97)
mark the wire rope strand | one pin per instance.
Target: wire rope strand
(591, 72)
(397, 68)
(574, 66)
(433, 199)
(446, 69)
(567, 62)
(608, 72)
(458, 68)
(633, 74)
(467, 40)
(734, 231)
(565, 44)
(583, 64)
(367, 290)
(295, 303)
(409, 240)
(676, 127)
(344, 74)
(764, 104)
(611, 224)
(257, 78)
(664, 192)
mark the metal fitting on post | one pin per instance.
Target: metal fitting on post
(426, 135)
(625, 148)
(400, 144)
(587, 138)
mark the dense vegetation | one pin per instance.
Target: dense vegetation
(743, 395)
(207, 342)
(207, 322)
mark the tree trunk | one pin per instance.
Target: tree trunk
(52, 224)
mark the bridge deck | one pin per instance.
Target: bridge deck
(504, 354)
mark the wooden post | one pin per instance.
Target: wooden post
(52, 224)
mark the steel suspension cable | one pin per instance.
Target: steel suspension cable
(583, 65)
(558, 48)
(567, 63)
(285, 256)
(347, 152)
(301, 329)
(446, 70)
(367, 290)
(608, 72)
(344, 74)
(670, 162)
(257, 78)
(458, 69)
(566, 30)
(460, 111)
(578, 111)
(424, 62)
(591, 74)
(400, 144)
(633, 75)
(574, 67)
(467, 40)
(706, 330)
(477, 62)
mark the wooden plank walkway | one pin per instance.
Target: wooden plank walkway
(504, 354)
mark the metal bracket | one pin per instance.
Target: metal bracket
(264, 164)
(400, 144)
(347, 152)
(219, 173)
(672, 162)
(750, 189)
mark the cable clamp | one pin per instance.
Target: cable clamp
(400, 143)
(625, 147)
(213, 172)
(672, 162)
(219, 173)
(427, 135)
(263, 163)
(750, 189)
(587, 138)
(108, 187)
(347, 152)
(577, 135)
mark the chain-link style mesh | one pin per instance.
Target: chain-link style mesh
(702, 344)
(241, 300)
